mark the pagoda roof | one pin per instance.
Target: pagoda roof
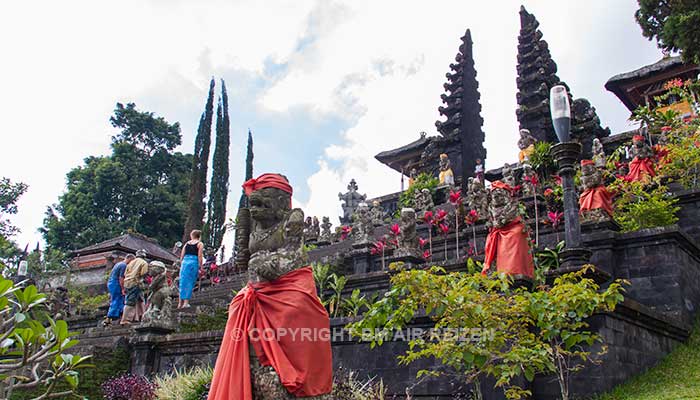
(630, 87)
(401, 157)
(129, 242)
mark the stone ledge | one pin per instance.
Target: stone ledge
(671, 233)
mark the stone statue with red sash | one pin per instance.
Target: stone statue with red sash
(277, 343)
(507, 243)
(641, 167)
(595, 201)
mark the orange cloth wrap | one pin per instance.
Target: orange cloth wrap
(597, 197)
(267, 181)
(287, 306)
(639, 168)
(508, 246)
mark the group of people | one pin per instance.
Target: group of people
(127, 281)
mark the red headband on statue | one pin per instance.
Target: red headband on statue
(638, 138)
(501, 185)
(267, 181)
(586, 162)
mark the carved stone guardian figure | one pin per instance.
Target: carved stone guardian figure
(423, 202)
(363, 228)
(280, 295)
(508, 175)
(599, 158)
(507, 243)
(478, 198)
(159, 312)
(642, 166)
(408, 237)
(326, 234)
(350, 200)
(526, 144)
(527, 181)
(377, 213)
(595, 202)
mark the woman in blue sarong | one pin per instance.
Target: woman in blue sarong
(115, 286)
(189, 270)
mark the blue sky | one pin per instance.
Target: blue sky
(323, 85)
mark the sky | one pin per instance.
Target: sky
(322, 85)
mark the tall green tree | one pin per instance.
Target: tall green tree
(243, 202)
(140, 187)
(675, 24)
(200, 164)
(214, 229)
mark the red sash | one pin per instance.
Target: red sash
(597, 197)
(639, 168)
(509, 248)
(284, 308)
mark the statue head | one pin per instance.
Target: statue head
(443, 156)
(596, 142)
(425, 192)
(527, 170)
(156, 268)
(526, 139)
(270, 198)
(638, 140)
(326, 220)
(501, 194)
(587, 167)
(408, 215)
(352, 186)
(375, 203)
(315, 221)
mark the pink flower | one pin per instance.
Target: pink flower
(557, 179)
(555, 218)
(345, 232)
(213, 267)
(215, 280)
(395, 229)
(444, 228)
(666, 128)
(532, 179)
(427, 255)
(472, 217)
(456, 197)
(378, 247)
(439, 217)
(422, 242)
(428, 216)
(673, 83)
(548, 192)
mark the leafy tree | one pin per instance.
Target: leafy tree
(133, 189)
(486, 327)
(675, 24)
(9, 194)
(200, 163)
(215, 228)
(144, 130)
(34, 353)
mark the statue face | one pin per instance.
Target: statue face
(269, 204)
(500, 197)
(587, 170)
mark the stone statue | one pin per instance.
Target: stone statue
(479, 170)
(478, 198)
(363, 229)
(308, 229)
(595, 202)
(412, 177)
(599, 158)
(640, 148)
(528, 188)
(315, 229)
(447, 177)
(503, 208)
(526, 144)
(159, 312)
(508, 175)
(641, 168)
(350, 200)
(423, 202)
(590, 176)
(377, 213)
(408, 238)
(326, 235)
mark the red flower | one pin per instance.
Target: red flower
(548, 192)
(213, 267)
(555, 218)
(472, 217)
(456, 197)
(396, 229)
(428, 216)
(422, 242)
(441, 214)
(427, 255)
(532, 179)
(378, 247)
(666, 128)
(345, 232)
(673, 83)
(557, 179)
(215, 280)
(445, 229)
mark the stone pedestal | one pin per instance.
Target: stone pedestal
(361, 258)
(410, 258)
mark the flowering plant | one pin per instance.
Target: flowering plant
(129, 387)
(346, 230)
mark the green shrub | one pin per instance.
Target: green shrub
(639, 206)
(422, 181)
(189, 385)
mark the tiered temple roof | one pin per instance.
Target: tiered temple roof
(461, 136)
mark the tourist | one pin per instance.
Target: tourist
(115, 286)
(191, 258)
(133, 279)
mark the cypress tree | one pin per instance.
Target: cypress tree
(200, 162)
(216, 209)
(243, 202)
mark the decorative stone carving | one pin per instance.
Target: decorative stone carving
(528, 189)
(446, 175)
(640, 148)
(351, 199)
(595, 202)
(508, 175)
(478, 198)
(315, 229)
(159, 312)
(423, 202)
(377, 213)
(308, 229)
(326, 234)
(503, 208)
(599, 158)
(408, 237)
(526, 144)
(363, 229)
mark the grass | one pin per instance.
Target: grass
(676, 377)
(190, 385)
